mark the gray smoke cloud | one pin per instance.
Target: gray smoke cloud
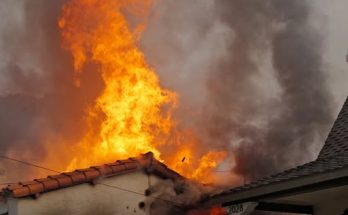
(39, 104)
(254, 81)
(303, 112)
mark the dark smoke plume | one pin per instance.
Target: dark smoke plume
(250, 77)
(302, 113)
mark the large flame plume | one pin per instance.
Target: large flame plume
(133, 113)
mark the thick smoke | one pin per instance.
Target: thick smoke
(254, 82)
(302, 112)
(248, 72)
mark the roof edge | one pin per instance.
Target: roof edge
(336, 141)
(281, 186)
(145, 162)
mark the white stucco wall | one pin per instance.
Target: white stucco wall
(3, 206)
(86, 199)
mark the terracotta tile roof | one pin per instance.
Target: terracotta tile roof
(146, 162)
(333, 156)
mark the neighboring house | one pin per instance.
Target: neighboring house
(319, 187)
(124, 187)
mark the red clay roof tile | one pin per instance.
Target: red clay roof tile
(103, 170)
(117, 168)
(48, 183)
(20, 192)
(35, 187)
(90, 173)
(76, 177)
(63, 180)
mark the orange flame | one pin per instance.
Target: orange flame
(217, 211)
(133, 113)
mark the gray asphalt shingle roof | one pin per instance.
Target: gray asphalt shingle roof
(337, 141)
(314, 167)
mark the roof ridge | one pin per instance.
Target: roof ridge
(146, 162)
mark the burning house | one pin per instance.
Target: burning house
(86, 91)
(319, 187)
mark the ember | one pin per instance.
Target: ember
(216, 210)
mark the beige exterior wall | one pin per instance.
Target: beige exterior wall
(86, 199)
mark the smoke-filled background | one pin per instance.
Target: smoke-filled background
(261, 79)
(256, 77)
(40, 106)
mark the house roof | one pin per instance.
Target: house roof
(314, 167)
(332, 157)
(337, 141)
(145, 162)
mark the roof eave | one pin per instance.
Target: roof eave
(284, 188)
